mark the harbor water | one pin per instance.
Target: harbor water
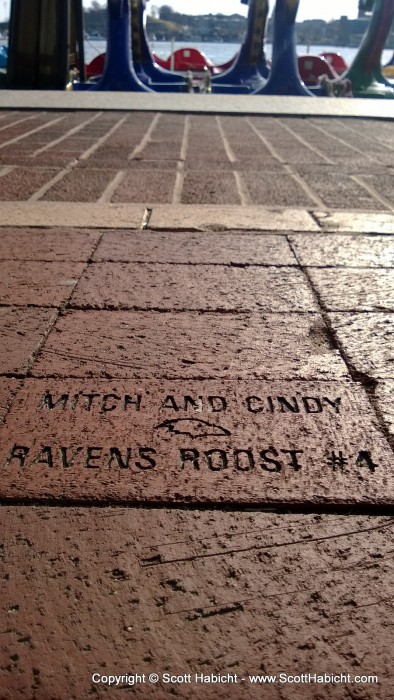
(222, 52)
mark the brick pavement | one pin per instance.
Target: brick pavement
(196, 316)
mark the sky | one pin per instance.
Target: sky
(307, 10)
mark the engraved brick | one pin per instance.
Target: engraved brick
(150, 344)
(8, 388)
(21, 332)
(58, 244)
(203, 287)
(37, 283)
(383, 396)
(205, 442)
(344, 250)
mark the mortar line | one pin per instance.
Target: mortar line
(180, 175)
(147, 136)
(371, 190)
(342, 141)
(266, 142)
(229, 151)
(242, 188)
(309, 191)
(111, 187)
(102, 140)
(7, 169)
(178, 186)
(41, 343)
(11, 400)
(185, 140)
(366, 136)
(66, 305)
(357, 377)
(355, 509)
(19, 121)
(32, 131)
(44, 189)
(305, 143)
(66, 135)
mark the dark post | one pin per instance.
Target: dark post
(39, 37)
(284, 78)
(77, 51)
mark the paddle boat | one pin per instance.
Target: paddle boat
(185, 59)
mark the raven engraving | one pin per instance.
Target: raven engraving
(194, 427)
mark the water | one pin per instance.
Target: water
(220, 53)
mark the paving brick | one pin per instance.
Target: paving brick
(58, 160)
(285, 191)
(345, 167)
(383, 398)
(161, 150)
(20, 184)
(197, 287)
(253, 163)
(340, 191)
(207, 188)
(8, 387)
(322, 140)
(178, 247)
(219, 218)
(287, 146)
(137, 163)
(350, 133)
(344, 250)
(61, 245)
(146, 186)
(75, 214)
(367, 340)
(21, 332)
(383, 183)
(354, 289)
(205, 165)
(106, 157)
(357, 222)
(201, 442)
(197, 148)
(295, 154)
(19, 129)
(37, 283)
(245, 143)
(134, 344)
(80, 186)
(225, 581)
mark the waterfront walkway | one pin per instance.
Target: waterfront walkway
(196, 392)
